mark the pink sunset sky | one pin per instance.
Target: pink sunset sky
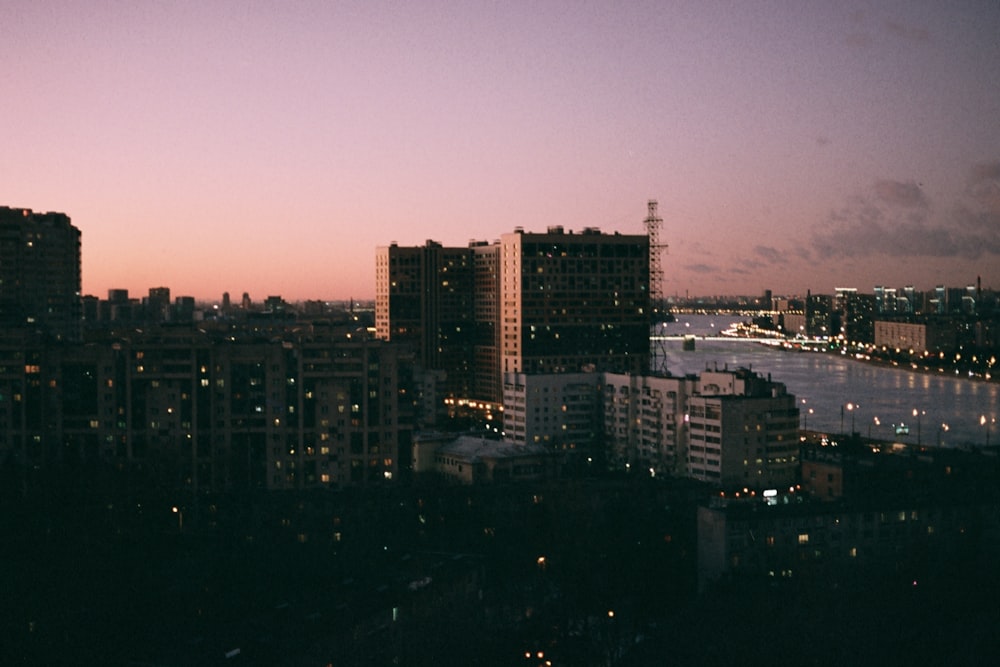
(270, 147)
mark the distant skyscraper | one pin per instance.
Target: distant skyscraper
(909, 300)
(158, 304)
(940, 300)
(818, 313)
(855, 313)
(40, 273)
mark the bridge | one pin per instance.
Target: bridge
(788, 344)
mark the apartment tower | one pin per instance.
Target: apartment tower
(40, 273)
(424, 298)
(574, 302)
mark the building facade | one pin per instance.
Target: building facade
(559, 411)
(574, 302)
(211, 414)
(552, 302)
(916, 337)
(729, 428)
(644, 425)
(424, 298)
(855, 316)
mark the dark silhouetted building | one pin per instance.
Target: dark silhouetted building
(210, 412)
(40, 273)
(424, 298)
(553, 302)
(572, 302)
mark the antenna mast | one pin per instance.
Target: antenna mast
(657, 351)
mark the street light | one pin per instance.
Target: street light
(917, 414)
(986, 422)
(850, 408)
(180, 517)
(944, 429)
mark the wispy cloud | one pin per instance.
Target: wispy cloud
(866, 32)
(896, 219)
(898, 193)
(772, 255)
(907, 32)
(701, 268)
(858, 40)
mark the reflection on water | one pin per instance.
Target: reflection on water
(948, 409)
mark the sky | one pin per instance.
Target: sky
(271, 147)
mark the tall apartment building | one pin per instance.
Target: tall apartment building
(40, 273)
(855, 315)
(572, 302)
(548, 302)
(424, 298)
(818, 315)
(488, 378)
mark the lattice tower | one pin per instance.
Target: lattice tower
(657, 299)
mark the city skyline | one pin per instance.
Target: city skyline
(271, 150)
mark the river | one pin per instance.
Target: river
(949, 409)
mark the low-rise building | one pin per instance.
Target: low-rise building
(472, 460)
(915, 337)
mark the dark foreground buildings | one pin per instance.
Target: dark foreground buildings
(210, 411)
(244, 505)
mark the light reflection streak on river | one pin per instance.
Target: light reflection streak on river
(949, 408)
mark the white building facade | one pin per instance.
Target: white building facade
(731, 428)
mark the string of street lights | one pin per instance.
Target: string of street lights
(898, 429)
